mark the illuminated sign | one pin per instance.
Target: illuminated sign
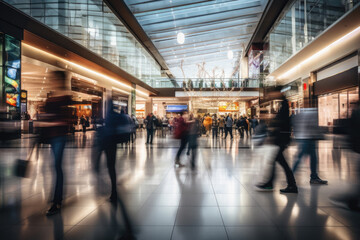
(176, 108)
(228, 107)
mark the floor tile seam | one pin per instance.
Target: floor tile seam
(333, 216)
(82, 219)
(217, 202)
(173, 227)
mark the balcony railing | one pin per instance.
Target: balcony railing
(205, 83)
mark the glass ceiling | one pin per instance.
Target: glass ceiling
(211, 29)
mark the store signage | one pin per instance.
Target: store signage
(228, 107)
(140, 107)
(176, 108)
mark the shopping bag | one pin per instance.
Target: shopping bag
(22, 165)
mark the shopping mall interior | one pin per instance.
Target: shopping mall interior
(168, 119)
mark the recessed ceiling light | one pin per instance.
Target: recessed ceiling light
(230, 54)
(180, 38)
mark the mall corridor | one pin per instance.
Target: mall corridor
(216, 201)
(179, 119)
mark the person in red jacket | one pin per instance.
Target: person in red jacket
(182, 134)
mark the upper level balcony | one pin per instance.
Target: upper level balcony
(206, 84)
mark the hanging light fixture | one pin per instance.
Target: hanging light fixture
(230, 54)
(180, 38)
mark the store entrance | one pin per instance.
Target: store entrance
(86, 95)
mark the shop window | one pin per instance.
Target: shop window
(337, 106)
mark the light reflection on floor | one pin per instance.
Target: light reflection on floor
(217, 201)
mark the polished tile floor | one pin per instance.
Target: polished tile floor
(217, 201)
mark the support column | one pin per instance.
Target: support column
(132, 101)
(149, 106)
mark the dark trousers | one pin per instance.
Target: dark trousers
(307, 147)
(58, 146)
(221, 131)
(110, 151)
(214, 132)
(241, 132)
(247, 132)
(183, 143)
(228, 129)
(84, 128)
(281, 160)
(150, 135)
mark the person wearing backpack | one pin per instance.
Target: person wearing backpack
(150, 127)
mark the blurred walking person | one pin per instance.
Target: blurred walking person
(306, 132)
(54, 125)
(281, 133)
(194, 125)
(118, 129)
(150, 123)
(181, 132)
(228, 125)
(207, 124)
(215, 126)
(221, 126)
(84, 121)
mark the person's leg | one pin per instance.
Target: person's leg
(151, 135)
(289, 174)
(230, 130)
(110, 151)
(147, 135)
(301, 151)
(182, 146)
(216, 132)
(226, 132)
(193, 157)
(58, 145)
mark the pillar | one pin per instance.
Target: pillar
(148, 106)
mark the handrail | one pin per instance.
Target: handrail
(200, 83)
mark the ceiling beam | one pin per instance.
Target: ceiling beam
(121, 10)
(270, 14)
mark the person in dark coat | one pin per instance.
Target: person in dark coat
(281, 135)
(150, 122)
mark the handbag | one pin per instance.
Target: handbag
(22, 166)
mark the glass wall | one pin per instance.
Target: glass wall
(301, 23)
(92, 24)
(337, 106)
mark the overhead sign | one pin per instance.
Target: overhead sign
(176, 108)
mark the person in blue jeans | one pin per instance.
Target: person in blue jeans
(306, 131)
(56, 125)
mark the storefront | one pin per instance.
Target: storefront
(337, 91)
(338, 106)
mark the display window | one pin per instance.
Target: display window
(336, 106)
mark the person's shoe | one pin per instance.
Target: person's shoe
(264, 188)
(318, 181)
(54, 209)
(179, 164)
(289, 189)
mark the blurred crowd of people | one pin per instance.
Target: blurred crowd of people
(56, 122)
